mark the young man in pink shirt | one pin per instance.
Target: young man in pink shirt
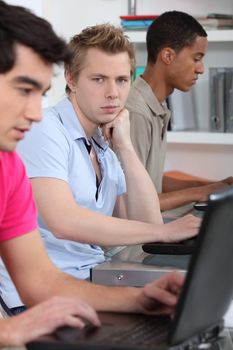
(29, 48)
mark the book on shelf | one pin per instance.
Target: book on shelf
(215, 22)
(137, 22)
(136, 25)
(229, 102)
(139, 70)
(221, 99)
(219, 15)
(138, 17)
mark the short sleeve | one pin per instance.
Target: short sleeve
(20, 215)
(45, 150)
(140, 132)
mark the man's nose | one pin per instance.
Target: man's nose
(200, 68)
(34, 109)
(111, 90)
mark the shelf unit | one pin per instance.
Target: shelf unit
(222, 35)
(204, 138)
(198, 137)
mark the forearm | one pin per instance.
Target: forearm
(37, 278)
(172, 200)
(142, 200)
(126, 232)
(86, 226)
(67, 220)
(159, 297)
(171, 184)
(60, 284)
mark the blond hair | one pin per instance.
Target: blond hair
(105, 37)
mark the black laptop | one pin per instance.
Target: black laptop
(205, 297)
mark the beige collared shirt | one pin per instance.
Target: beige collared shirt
(148, 122)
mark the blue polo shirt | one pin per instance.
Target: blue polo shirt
(56, 148)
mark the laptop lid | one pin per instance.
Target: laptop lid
(208, 288)
(204, 299)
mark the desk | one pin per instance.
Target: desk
(133, 267)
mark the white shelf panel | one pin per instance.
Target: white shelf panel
(213, 35)
(136, 36)
(209, 138)
(220, 35)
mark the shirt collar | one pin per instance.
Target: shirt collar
(145, 90)
(71, 122)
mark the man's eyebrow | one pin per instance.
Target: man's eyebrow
(106, 76)
(124, 76)
(29, 81)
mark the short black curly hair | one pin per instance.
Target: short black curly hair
(172, 29)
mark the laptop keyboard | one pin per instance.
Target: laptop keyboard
(141, 333)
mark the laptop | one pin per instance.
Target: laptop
(204, 299)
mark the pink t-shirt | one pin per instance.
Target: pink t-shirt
(18, 213)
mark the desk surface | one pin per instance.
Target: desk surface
(131, 266)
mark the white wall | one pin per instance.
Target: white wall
(35, 6)
(69, 17)
(213, 162)
(193, 7)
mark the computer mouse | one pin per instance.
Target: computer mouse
(202, 206)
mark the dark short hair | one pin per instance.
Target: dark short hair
(172, 29)
(19, 25)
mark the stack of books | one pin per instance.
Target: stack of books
(137, 22)
(216, 21)
(221, 99)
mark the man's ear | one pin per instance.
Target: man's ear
(167, 55)
(70, 81)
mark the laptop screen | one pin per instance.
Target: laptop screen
(209, 283)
